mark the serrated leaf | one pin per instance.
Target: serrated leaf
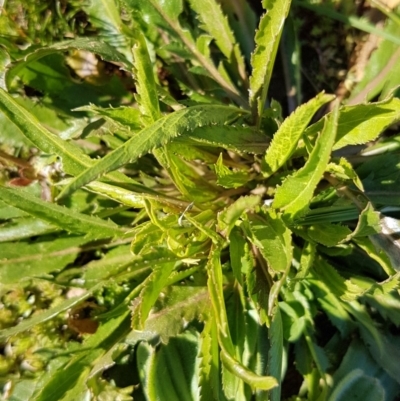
(152, 287)
(146, 89)
(328, 234)
(228, 178)
(181, 305)
(344, 289)
(263, 58)
(60, 216)
(239, 139)
(271, 236)
(344, 170)
(362, 123)
(153, 136)
(228, 217)
(106, 16)
(287, 137)
(73, 159)
(209, 380)
(126, 117)
(216, 24)
(240, 255)
(296, 192)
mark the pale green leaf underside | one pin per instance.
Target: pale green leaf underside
(263, 58)
(60, 216)
(152, 137)
(296, 191)
(287, 137)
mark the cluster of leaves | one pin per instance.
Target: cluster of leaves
(173, 237)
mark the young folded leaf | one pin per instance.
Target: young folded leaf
(287, 137)
(297, 190)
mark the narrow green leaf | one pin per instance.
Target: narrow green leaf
(263, 58)
(239, 139)
(344, 289)
(297, 190)
(229, 216)
(214, 284)
(287, 137)
(73, 159)
(152, 287)
(275, 354)
(104, 50)
(60, 216)
(23, 261)
(240, 255)
(216, 24)
(209, 380)
(153, 136)
(126, 117)
(328, 234)
(25, 227)
(362, 123)
(271, 236)
(106, 16)
(147, 96)
(228, 178)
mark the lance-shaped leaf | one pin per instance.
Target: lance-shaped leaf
(262, 60)
(229, 216)
(60, 216)
(271, 236)
(216, 24)
(362, 123)
(153, 136)
(296, 191)
(287, 137)
(147, 96)
(239, 139)
(26, 260)
(228, 357)
(104, 50)
(73, 159)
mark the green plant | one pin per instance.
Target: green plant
(179, 239)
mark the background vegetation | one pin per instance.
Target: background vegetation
(187, 212)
